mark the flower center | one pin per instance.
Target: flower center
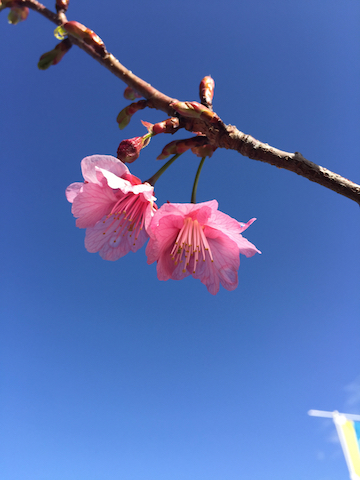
(190, 242)
(128, 215)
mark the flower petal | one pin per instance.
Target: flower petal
(72, 191)
(224, 267)
(112, 238)
(206, 244)
(92, 203)
(107, 162)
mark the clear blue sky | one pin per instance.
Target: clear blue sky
(107, 373)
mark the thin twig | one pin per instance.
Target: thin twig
(219, 134)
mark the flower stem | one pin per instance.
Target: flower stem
(196, 181)
(158, 174)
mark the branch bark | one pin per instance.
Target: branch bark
(218, 134)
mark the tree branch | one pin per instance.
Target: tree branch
(218, 134)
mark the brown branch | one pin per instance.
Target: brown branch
(38, 7)
(295, 162)
(219, 134)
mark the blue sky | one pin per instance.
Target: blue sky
(107, 373)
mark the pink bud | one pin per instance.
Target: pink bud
(17, 15)
(129, 149)
(126, 113)
(149, 126)
(54, 56)
(206, 90)
(170, 125)
(181, 146)
(204, 151)
(131, 94)
(79, 31)
(194, 110)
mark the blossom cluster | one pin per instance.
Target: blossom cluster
(119, 214)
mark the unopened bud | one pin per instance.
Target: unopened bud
(194, 110)
(206, 90)
(170, 125)
(17, 15)
(126, 113)
(54, 56)
(131, 94)
(204, 150)
(129, 149)
(181, 146)
(62, 5)
(79, 31)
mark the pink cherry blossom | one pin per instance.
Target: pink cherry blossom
(198, 240)
(113, 205)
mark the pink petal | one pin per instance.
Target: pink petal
(111, 240)
(72, 191)
(90, 205)
(107, 162)
(167, 269)
(224, 267)
(164, 236)
(231, 228)
(114, 181)
(244, 226)
(225, 223)
(245, 247)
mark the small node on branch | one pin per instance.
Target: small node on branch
(181, 146)
(82, 33)
(131, 94)
(124, 117)
(54, 56)
(206, 91)
(204, 150)
(7, 4)
(195, 110)
(61, 5)
(171, 125)
(17, 14)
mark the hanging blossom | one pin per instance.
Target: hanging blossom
(198, 240)
(113, 205)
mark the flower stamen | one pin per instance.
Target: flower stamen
(130, 212)
(190, 242)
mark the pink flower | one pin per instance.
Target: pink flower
(198, 240)
(113, 205)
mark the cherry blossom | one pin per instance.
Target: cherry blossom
(198, 240)
(113, 205)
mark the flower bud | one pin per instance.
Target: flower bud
(131, 94)
(126, 113)
(171, 125)
(54, 56)
(79, 31)
(17, 15)
(206, 90)
(62, 5)
(181, 146)
(194, 110)
(129, 149)
(204, 150)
